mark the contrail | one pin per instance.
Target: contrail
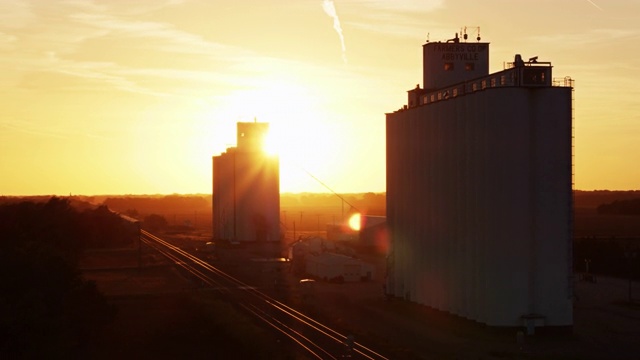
(330, 9)
(594, 4)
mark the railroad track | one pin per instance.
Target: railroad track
(316, 339)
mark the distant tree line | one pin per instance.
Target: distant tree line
(155, 222)
(159, 205)
(594, 198)
(621, 207)
(369, 203)
(47, 310)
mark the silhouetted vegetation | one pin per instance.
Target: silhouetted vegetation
(606, 234)
(621, 207)
(159, 204)
(370, 203)
(154, 222)
(46, 309)
(592, 199)
(189, 212)
(612, 257)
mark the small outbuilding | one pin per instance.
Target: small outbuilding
(338, 268)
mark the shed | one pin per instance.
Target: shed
(338, 267)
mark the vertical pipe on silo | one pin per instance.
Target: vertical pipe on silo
(453, 183)
(472, 149)
(429, 204)
(484, 204)
(421, 204)
(410, 208)
(442, 210)
(460, 225)
(400, 232)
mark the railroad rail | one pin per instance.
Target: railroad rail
(316, 339)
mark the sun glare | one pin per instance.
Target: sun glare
(355, 221)
(270, 144)
(301, 133)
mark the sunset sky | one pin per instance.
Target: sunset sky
(134, 97)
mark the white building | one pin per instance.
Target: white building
(479, 190)
(337, 267)
(320, 258)
(246, 189)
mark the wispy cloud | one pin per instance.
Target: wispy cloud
(396, 18)
(175, 40)
(38, 129)
(594, 36)
(595, 5)
(408, 27)
(15, 14)
(7, 41)
(31, 45)
(330, 9)
(411, 6)
(189, 63)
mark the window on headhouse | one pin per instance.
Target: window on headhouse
(469, 66)
(533, 76)
(448, 66)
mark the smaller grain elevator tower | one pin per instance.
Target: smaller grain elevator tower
(246, 189)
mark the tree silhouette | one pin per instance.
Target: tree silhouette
(154, 222)
(46, 309)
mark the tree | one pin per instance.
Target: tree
(621, 207)
(155, 222)
(46, 309)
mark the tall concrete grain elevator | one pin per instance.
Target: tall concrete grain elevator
(246, 189)
(479, 189)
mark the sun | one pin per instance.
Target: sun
(301, 133)
(307, 150)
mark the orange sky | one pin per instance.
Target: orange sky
(108, 97)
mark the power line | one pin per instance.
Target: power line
(330, 189)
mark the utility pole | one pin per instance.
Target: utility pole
(139, 247)
(301, 212)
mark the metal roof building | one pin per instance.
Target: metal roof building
(479, 189)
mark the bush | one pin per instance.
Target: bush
(46, 309)
(154, 222)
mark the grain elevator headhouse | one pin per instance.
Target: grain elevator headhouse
(453, 61)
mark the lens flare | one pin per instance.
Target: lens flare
(354, 222)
